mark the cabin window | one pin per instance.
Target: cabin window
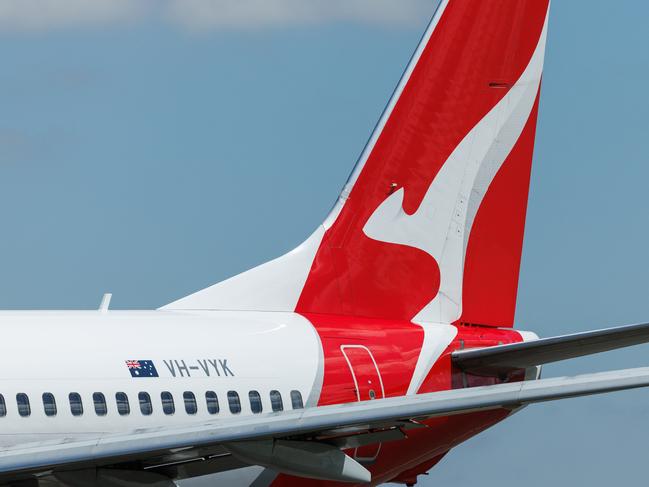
(255, 402)
(168, 406)
(3, 406)
(76, 406)
(276, 401)
(24, 409)
(123, 407)
(190, 402)
(296, 400)
(234, 402)
(99, 400)
(212, 402)
(145, 403)
(49, 404)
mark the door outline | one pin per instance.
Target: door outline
(351, 368)
(368, 460)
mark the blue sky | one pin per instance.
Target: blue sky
(153, 148)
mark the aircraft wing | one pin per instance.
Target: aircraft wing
(505, 358)
(297, 441)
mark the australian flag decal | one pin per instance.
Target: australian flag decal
(141, 368)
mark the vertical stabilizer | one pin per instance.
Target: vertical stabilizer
(430, 224)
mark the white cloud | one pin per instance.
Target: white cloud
(36, 15)
(56, 14)
(214, 14)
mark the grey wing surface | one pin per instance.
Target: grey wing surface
(277, 439)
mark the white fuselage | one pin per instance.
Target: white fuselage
(86, 352)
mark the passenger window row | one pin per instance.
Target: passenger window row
(146, 405)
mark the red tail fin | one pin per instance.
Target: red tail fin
(432, 222)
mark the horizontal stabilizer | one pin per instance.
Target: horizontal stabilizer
(506, 358)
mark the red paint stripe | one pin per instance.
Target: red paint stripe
(494, 252)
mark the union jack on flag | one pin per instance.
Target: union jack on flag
(141, 368)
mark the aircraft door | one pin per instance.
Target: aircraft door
(367, 377)
(368, 385)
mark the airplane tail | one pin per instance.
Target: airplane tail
(429, 226)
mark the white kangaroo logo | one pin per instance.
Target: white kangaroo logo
(442, 223)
